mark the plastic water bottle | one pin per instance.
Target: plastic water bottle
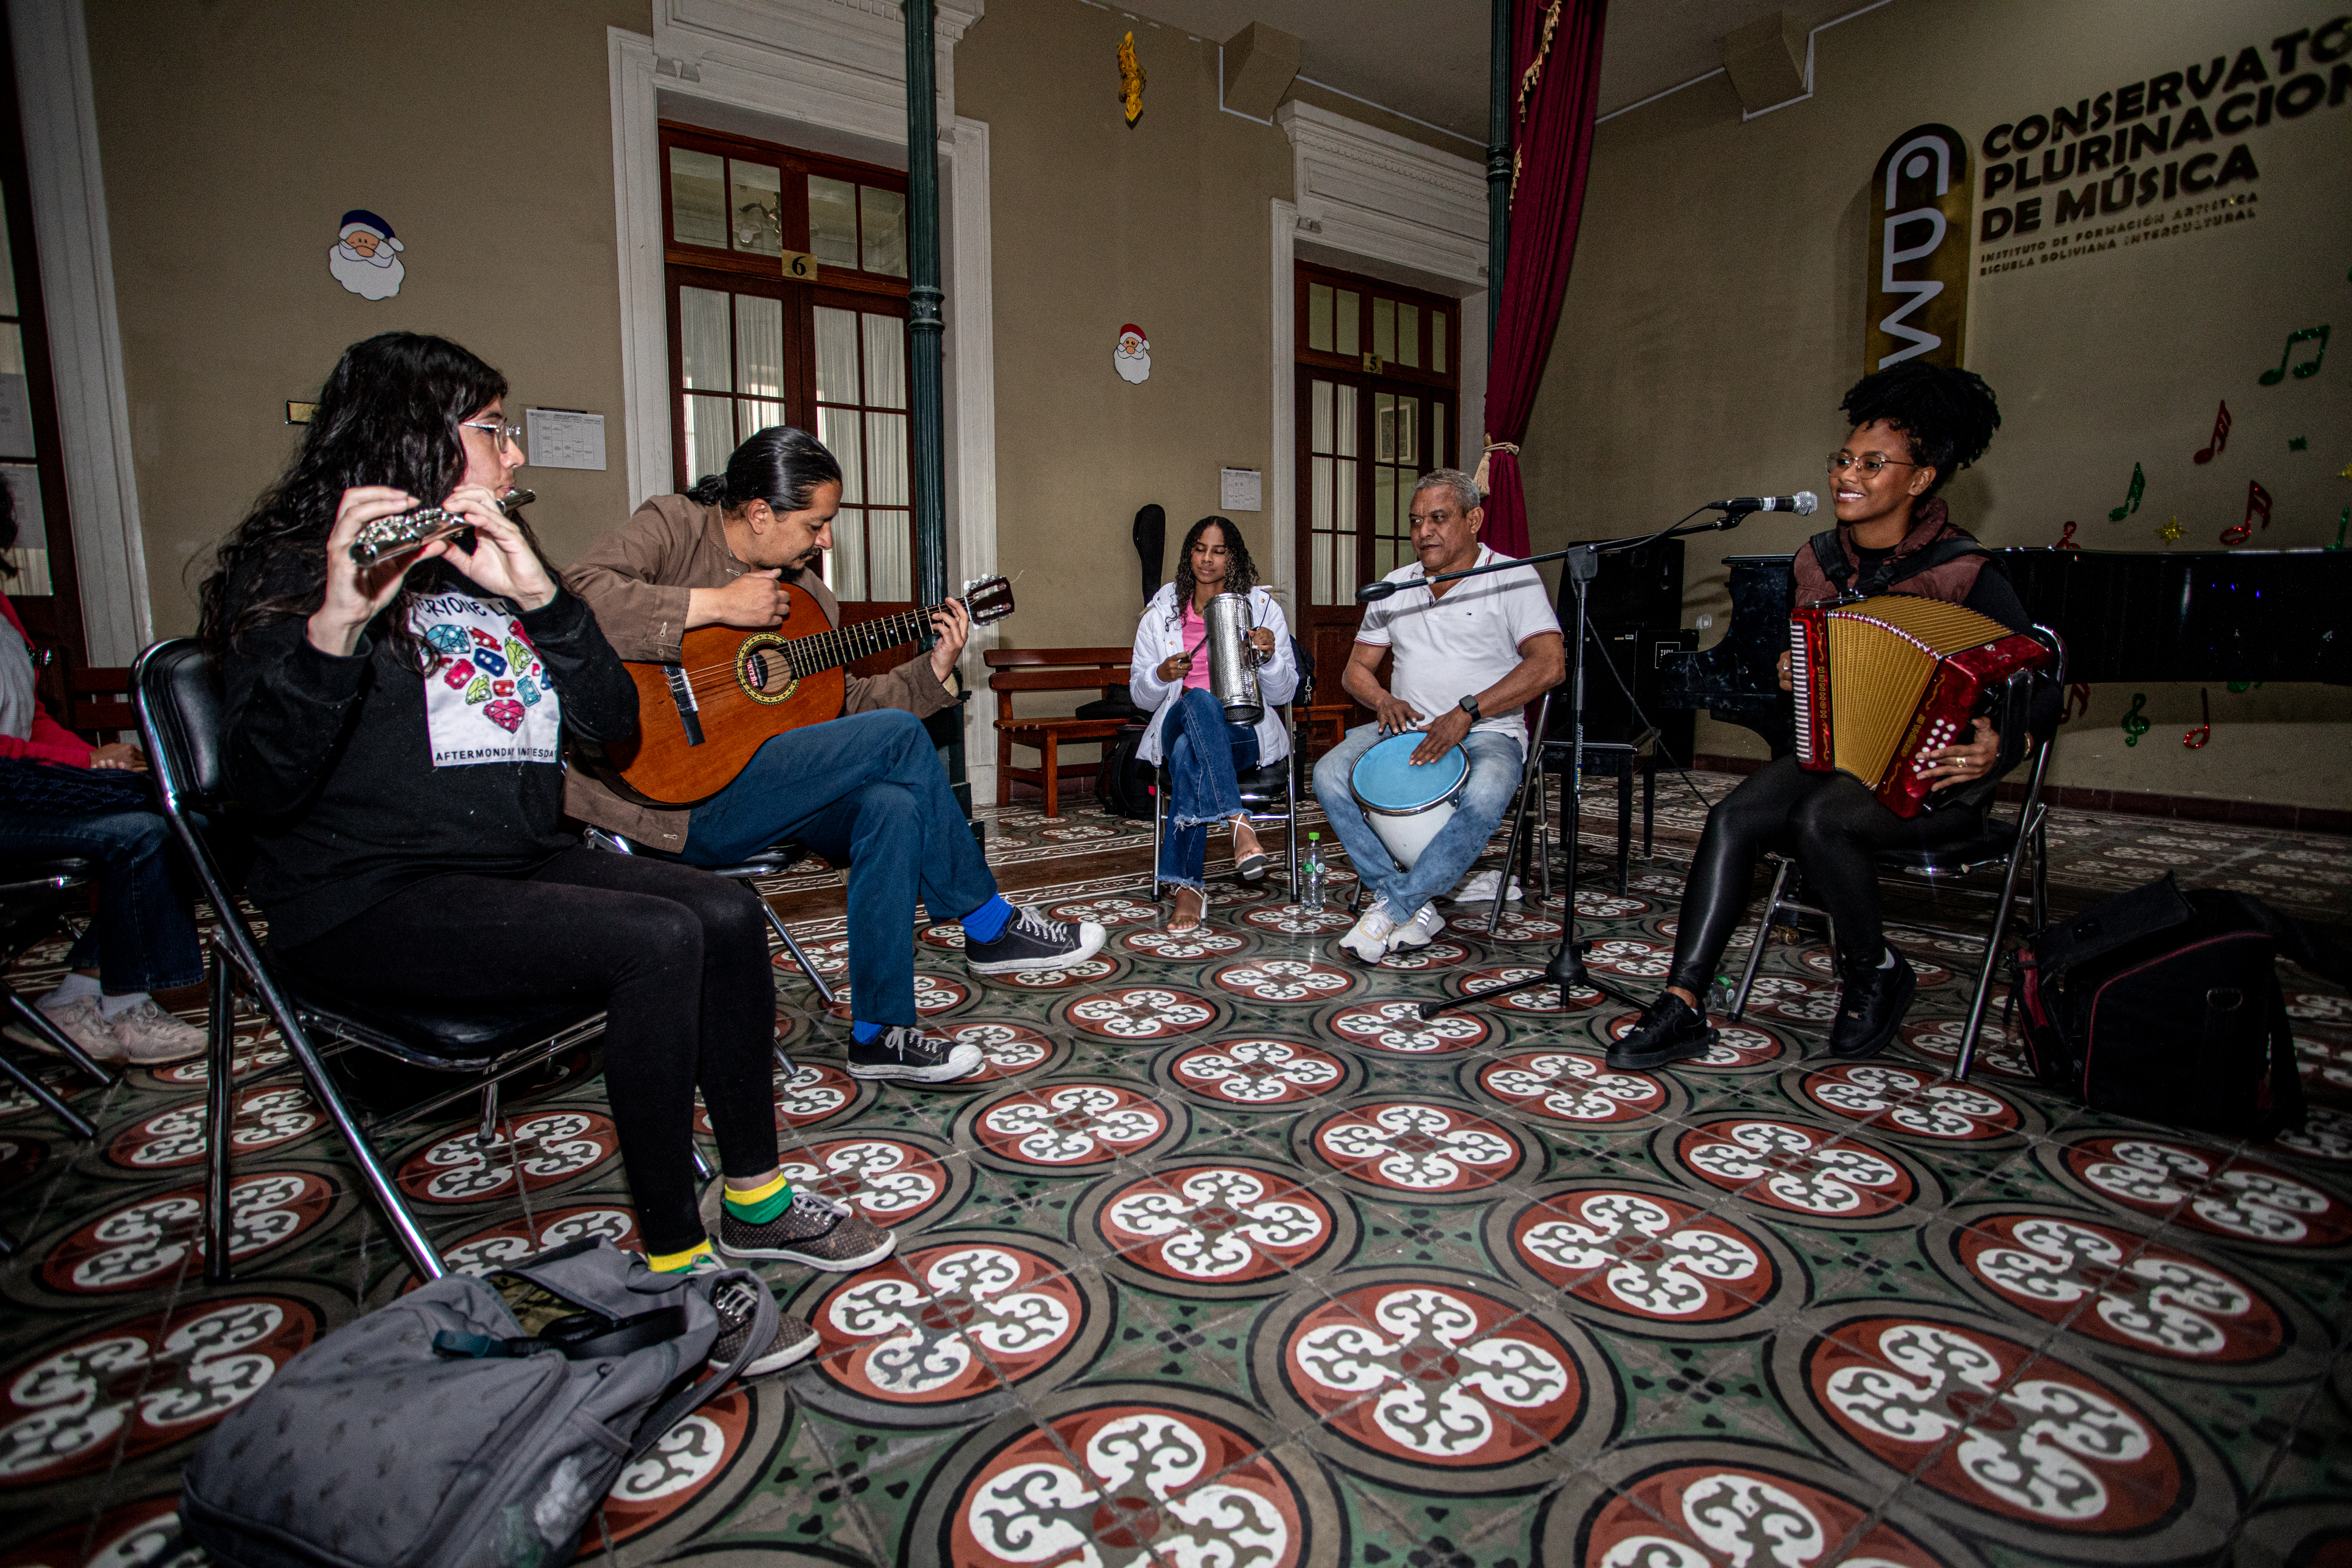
(1310, 876)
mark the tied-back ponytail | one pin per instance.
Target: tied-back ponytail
(782, 466)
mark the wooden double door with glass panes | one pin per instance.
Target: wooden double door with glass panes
(787, 280)
(1378, 399)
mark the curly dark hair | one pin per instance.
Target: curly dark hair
(387, 415)
(1241, 572)
(1948, 416)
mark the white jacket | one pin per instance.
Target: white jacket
(1160, 635)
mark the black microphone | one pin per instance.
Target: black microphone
(1372, 590)
(1802, 503)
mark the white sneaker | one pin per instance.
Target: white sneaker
(1368, 938)
(1480, 889)
(1418, 931)
(82, 1022)
(147, 1036)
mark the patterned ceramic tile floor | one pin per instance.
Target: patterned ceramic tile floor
(1231, 1260)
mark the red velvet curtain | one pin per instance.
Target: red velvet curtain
(1556, 85)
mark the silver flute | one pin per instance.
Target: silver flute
(387, 538)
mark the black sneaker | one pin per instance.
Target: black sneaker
(1671, 1029)
(906, 1054)
(815, 1231)
(1872, 1009)
(1030, 941)
(738, 1307)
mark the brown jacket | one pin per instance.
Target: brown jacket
(1931, 521)
(635, 578)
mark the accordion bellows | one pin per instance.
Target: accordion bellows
(1883, 680)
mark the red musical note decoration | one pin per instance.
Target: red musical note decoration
(2196, 738)
(2258, 505)
(2077, 692)
(2220, 435)
(2066, 540)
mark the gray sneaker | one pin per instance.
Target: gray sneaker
(738, 1308)
(816, 1231)
(83, 1023)
(147, 1036)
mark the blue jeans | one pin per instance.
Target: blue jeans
(144, 938)
(1205, 756)
(868, 789)
(1495, 764)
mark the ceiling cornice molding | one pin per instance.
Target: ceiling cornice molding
(768, 52)
(1380, 194)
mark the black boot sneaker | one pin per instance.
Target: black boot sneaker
(906, 1054)
(815, 1231)
(737, 1308)
(1670, 1030)
(1872, 1009)
(1030, 941)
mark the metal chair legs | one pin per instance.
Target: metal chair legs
(79, 1126)
(41, 1024)
(1756, 948)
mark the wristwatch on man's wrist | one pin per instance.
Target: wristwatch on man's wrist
(1469, 705)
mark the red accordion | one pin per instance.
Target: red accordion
(1880, 681)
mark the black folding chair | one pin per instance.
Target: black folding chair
(32, 896)
(178, 702)
(2004, 842)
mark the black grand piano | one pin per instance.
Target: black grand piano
(2188, 615)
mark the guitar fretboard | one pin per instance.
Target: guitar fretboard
(828, 650)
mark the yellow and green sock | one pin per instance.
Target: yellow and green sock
(679, 1262)
(763, 1203)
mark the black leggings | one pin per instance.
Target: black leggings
(680, 960)
(1835, 826)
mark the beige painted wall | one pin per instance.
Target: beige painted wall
(234, 138)
(1715, 318)
(1096, 224)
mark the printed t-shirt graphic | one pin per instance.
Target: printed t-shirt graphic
(487, 699)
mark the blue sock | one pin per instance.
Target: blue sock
(987, 923)
(865, 1033)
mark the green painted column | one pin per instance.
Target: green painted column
(927, 420)
(1499, 168)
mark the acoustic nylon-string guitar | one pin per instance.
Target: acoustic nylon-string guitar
(700, 719)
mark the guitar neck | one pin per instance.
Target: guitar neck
(830, 650)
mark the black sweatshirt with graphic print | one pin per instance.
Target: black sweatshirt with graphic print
(331, 759)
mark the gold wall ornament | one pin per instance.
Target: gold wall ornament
(1130, 78)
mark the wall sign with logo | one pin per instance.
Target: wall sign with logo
(1919, 219)
(2105, 170)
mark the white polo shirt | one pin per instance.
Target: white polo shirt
(1451, 647)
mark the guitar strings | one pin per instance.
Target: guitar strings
(834, 640)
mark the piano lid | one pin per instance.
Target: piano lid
(2192, 615)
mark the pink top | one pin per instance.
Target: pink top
(1196, 632)
(49, 741)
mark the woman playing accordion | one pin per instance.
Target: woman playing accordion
(1912, 426)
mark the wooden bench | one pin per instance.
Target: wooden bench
(1049, 669)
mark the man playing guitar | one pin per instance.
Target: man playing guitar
(866, 789)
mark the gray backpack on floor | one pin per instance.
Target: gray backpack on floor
(471, 1423)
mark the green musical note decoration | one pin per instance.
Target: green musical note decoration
(2343, 520)
(2131, 502)
(2243, 686)
(2298, 444)
(2135, 721)
(2308, 334)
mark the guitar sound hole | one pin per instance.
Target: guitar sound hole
(756, 666)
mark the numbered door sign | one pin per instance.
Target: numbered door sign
(800, 267)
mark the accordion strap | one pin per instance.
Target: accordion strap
(1829, 553)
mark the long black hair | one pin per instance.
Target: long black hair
(782, 466)
(1948, 416)
(388, 415)
(1241, 572)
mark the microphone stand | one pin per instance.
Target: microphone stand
(1567, 968)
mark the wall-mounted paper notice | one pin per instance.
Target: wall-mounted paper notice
(565, 438)
(1240, 490)
(16, 417)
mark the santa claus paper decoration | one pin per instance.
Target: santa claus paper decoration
(1131, 356)
(365, 257)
